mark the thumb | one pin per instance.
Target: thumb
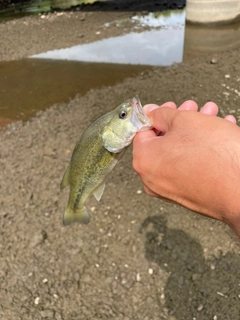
(160, 117)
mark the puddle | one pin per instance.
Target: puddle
(152, 47)
(38, 6)
(31, 85)
(200, 40)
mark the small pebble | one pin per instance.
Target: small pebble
(221, 294)
(200, 307)
(213, 61)
(45, 280)
(150, 271)
(37, 299)
(139, 191)
(138, 277)
(98, 32)
(226, 93)
(227, 76)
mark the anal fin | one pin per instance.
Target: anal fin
(98, 192)
(65, 181)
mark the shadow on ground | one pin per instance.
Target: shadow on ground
(197, 288)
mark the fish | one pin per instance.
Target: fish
(97, 152)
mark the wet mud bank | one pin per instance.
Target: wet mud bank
(136, 249)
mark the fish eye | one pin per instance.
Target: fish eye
(122, 114)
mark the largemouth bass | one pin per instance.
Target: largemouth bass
(97, 152)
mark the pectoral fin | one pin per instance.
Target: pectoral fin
(98, 192)
(65, 182)
(80, 216)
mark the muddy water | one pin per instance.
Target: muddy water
(30, 85)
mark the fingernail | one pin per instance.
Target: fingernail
(150, 107)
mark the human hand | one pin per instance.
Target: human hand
(209, 108)
(192, 159)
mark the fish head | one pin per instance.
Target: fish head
(124, 122)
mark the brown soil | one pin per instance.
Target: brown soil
(139, 258)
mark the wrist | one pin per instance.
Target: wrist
(233, 222)
(232, 215)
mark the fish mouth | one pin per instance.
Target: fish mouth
(139, 118)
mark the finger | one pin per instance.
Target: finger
(210, 108)
(168, 104)
(141, 137)
(149, 107)
(161, 118)
(231, 119)
(189, 105)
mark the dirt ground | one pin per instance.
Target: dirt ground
(139, 258)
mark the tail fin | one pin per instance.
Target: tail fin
(71, 216)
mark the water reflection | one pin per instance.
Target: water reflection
(163, 46)
(200, 40)
(170, 18)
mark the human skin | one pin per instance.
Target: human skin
(192, 159)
